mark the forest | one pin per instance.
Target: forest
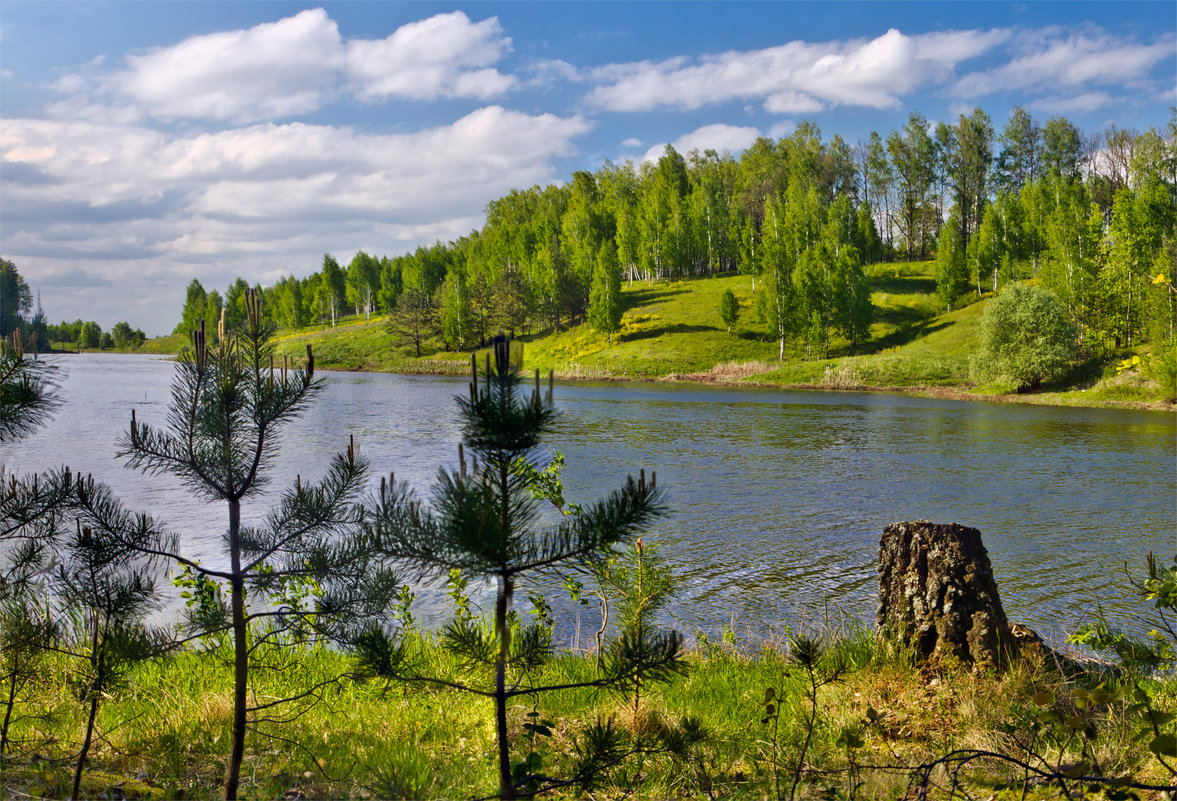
(1088, 216)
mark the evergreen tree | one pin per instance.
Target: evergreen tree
(27, 391)
(484, 522)
(306, 575)
(415, 318)
(106, 588)
(30, 509)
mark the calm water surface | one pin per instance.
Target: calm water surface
(778, 498)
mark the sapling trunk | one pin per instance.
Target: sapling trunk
(240, 655)
(96, 664)
(13, 688)
(503, 629)
(85, 746)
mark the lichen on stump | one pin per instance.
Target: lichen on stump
(937, 593)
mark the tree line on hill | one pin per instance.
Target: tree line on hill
(1090, 216)
(16, 314)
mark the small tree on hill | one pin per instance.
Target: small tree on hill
(306, 575)
(484, 522)
(729, 308)
(952, 268)
(604, 312)
(1026, 336)
(415, 318)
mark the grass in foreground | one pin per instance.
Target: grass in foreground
(709, 732)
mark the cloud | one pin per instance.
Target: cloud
(548, 72)
(797, 77)
(1051, 60)
(125, 201)
(1070, 104)
(782, 129)
(443, 56)
(276, 69)
(718, 137)
(298, 64)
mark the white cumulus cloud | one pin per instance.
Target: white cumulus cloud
(445, 55)
(120, 203)
(796, 77)
(300, 63)
(1053, 61)
(717, 137)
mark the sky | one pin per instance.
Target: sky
(145, 144)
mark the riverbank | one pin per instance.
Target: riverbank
(672, 332)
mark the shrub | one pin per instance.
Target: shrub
(1026, 337)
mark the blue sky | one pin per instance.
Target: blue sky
(147, 143)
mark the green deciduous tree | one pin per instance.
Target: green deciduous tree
(729, 308)
(331, 291)
(952, 268)
(912, 160)
(195, 305)
(1027, 337)
(90, 335)
(15, 298)
(455, 310)
(1021, 145)
(1062, 148)
(604, 312)
(363, 283)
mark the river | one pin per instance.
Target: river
(778, 498)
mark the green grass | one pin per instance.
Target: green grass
(165, 736)
(672, 330)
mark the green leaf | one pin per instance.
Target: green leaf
(538, 729)
(1043, 698)
(1164, 745)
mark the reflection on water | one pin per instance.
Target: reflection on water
(778, 498)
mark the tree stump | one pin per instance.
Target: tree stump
(937, 593)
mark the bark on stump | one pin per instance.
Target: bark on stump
(937, 593)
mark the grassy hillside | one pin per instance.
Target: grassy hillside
(673, 331)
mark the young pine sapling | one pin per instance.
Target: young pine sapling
(484, 522)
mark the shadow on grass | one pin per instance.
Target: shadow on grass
(677, 328)
(902, 317)
(642, 297)
(903, 336)
(903, 285)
